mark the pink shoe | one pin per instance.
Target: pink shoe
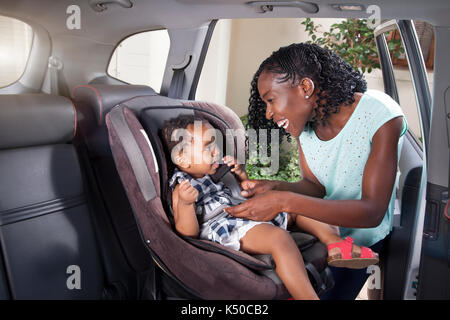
(351, 256)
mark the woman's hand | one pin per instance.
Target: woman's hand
(261, 207)
(252, 187)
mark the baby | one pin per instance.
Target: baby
(198, 204)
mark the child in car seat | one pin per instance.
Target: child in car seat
(198, 204)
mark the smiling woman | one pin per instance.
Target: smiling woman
(15, 44)
(300, 87)
(348, 137)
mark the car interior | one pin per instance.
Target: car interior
(84, 174)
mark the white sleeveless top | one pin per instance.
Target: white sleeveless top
(339, 163)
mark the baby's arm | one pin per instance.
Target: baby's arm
(238, 169)
(183, 200)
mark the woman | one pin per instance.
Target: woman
(349, 141)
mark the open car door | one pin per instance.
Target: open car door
(418, 244)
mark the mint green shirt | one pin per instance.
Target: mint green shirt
(339, 163)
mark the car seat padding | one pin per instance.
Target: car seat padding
(200, 270)
(133, 153)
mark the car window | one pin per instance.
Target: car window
(141, 59)
(405, 87)
(15, 45)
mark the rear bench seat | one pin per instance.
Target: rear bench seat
(48, 246)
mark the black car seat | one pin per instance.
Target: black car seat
(93, 103)
(48, 245)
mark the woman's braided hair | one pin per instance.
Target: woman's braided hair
(334, 78)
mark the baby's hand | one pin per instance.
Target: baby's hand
(187, 194)
(238, 169)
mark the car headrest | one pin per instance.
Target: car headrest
(101, 98)
(35, 119)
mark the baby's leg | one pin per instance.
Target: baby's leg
(326, 233)
(268, 239)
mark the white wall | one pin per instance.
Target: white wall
(252, 41)
(213, 79)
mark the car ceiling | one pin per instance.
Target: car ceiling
(116, 22)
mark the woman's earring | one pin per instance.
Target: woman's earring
(312, 85)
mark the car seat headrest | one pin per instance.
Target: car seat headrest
(35, 119)
(225, 113)
(102, 97)
(153, 118)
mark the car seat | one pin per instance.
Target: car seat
(191, 268)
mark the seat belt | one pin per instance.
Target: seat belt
(58, 85)
(177, 83)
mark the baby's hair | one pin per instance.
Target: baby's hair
(180, 122)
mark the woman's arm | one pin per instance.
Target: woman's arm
(377, 185)
(183, 200)
(304, 186)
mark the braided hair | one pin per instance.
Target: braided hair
(334, 78)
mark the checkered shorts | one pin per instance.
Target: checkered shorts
(215, 224)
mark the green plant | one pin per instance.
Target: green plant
(289, 169)
(353, 40)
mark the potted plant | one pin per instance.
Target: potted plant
(353, 40)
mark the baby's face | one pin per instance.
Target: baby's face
(200, 154)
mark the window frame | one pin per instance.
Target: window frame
(30, 52)
(416, 66)
(125, 38)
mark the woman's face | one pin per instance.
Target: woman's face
(286, 103)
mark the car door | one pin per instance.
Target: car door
(416, 249)
(434, 272)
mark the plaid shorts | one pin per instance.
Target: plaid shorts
(215, 223)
